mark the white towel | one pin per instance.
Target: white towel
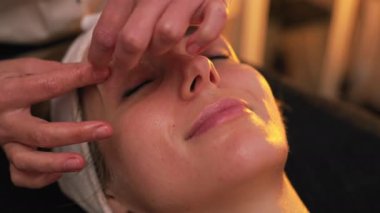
(82, 187)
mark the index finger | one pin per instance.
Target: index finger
(107, 30)
(37, 133)
(215, 17)
(28, 65)
(30, 89)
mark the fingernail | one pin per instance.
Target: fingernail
(102, 132)
(73, 164)
(193, 49)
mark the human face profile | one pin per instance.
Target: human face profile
(190, 132)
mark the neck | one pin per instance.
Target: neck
(289, 201)
(279, 197)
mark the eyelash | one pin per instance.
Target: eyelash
(135, 89)
(218, 57)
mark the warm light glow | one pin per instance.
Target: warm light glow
(254, 30)
(275, 126)
(339, 42)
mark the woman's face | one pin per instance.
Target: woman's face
(188, 130)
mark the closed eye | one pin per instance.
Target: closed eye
(218, 57)
(136, 88)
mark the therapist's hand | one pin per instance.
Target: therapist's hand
(24, 82)
(127, 28)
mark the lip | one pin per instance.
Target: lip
(216, 114)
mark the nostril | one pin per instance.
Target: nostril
(194, 83)
(212, 77)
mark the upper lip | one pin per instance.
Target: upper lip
(214, 109)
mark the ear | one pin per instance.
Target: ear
(115, 205)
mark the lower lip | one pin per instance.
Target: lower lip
(222, 117)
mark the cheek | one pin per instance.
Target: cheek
(147, 154)
(251, 85)
(259, 143)
(141, 135)
(243, 155)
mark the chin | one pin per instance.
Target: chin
(242, 152)
(251, 156)
(242, 162)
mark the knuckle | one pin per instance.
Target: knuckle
(168, 32)
(80, 75)
(132, 42)
(78, 135)
(75, 135)
(40, 139)
(7, 92)
(52, 85)
(103, 38)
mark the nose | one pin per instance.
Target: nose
(198, 75)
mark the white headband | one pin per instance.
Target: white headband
(82, 187)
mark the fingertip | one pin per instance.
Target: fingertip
(74, 164)
(101, 73)
(76, 68)
(99, 60)
(193, 48)
(101, 47)
(98, 130)
(86, 72)
(103, 131)
(195, 44)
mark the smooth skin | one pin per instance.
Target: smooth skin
(158, 25)
(153, 166)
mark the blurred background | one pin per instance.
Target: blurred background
(327, 48)
(320, 58)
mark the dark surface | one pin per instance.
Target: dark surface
(14, 199)
(333, 161)
(294, 13)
